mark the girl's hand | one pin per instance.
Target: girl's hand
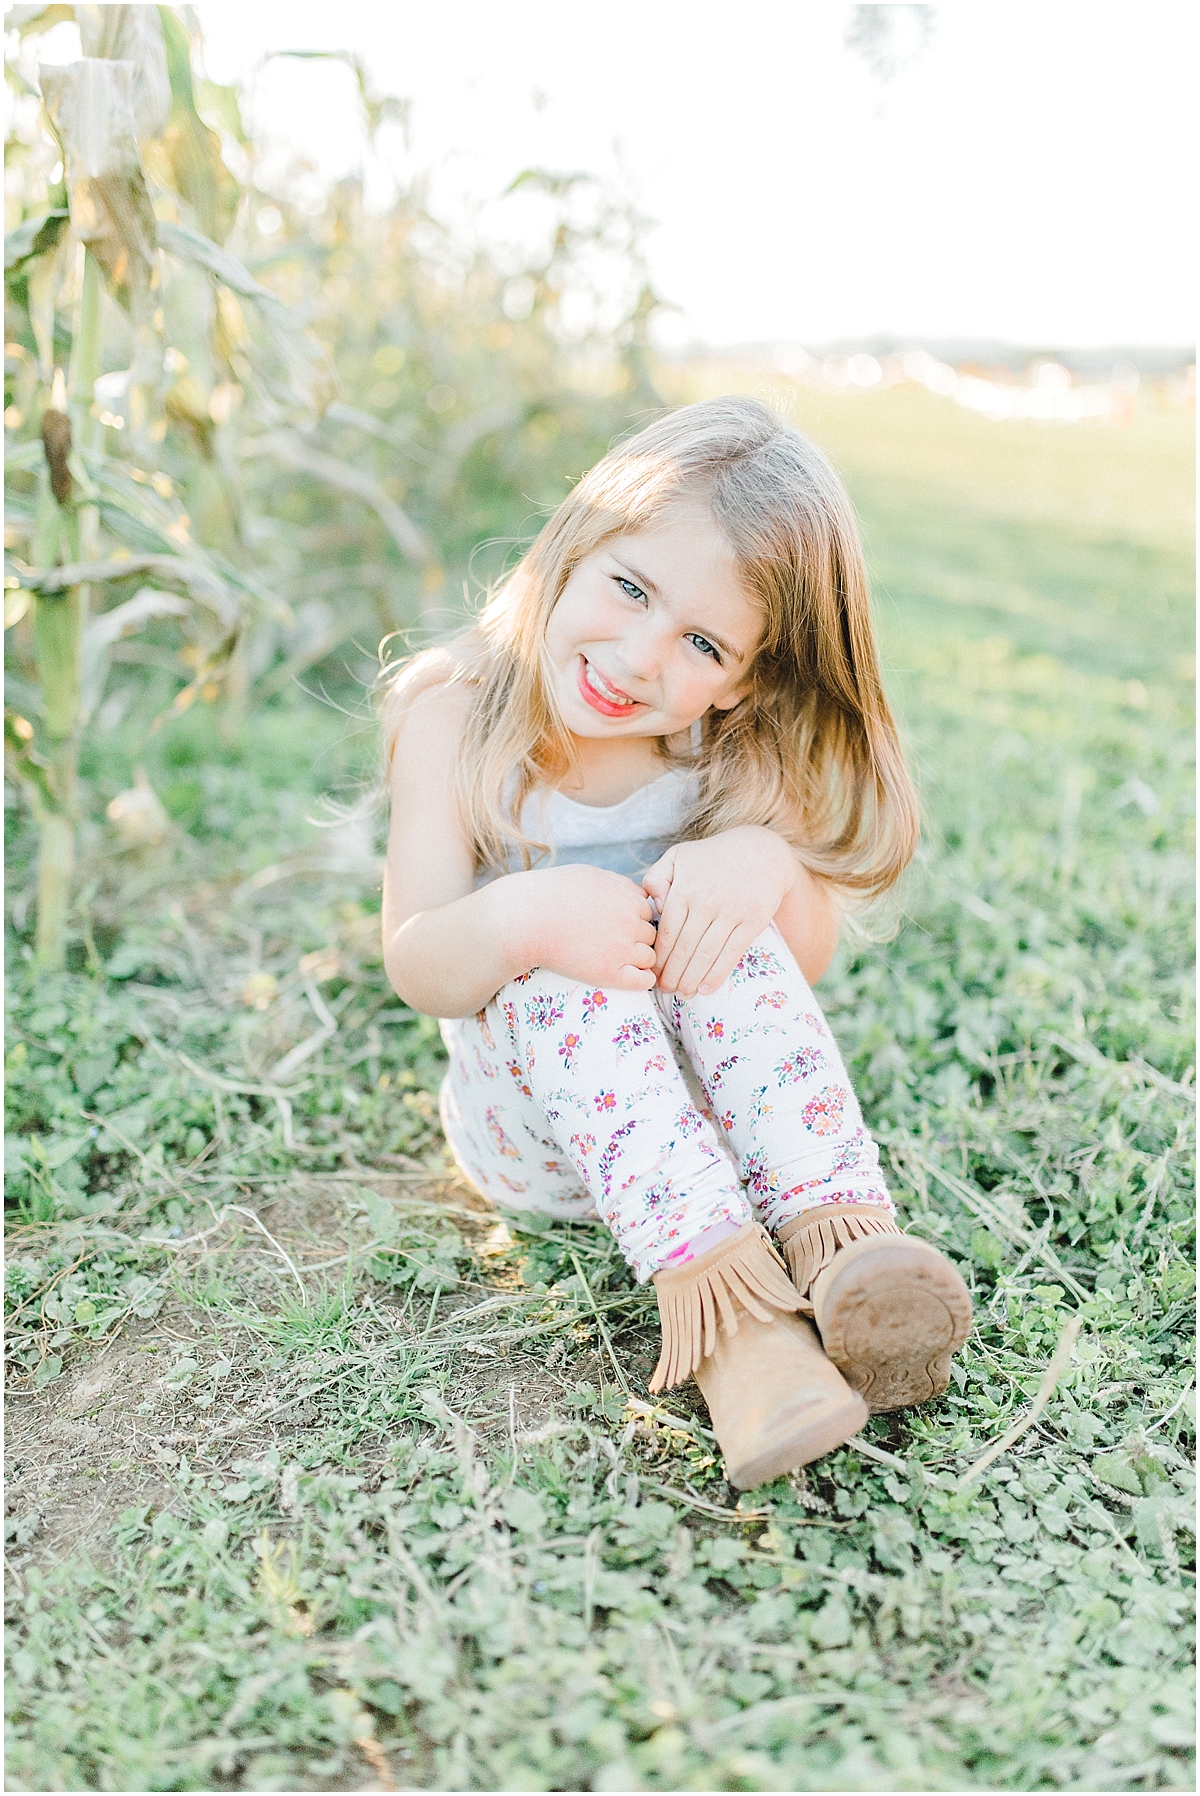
(583, 923)
(714, 898)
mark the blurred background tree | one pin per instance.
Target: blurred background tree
(199, 509)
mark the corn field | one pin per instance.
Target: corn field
(190, 483)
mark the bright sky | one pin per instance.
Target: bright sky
(1029, 177)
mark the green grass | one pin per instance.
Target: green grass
(413, 1525)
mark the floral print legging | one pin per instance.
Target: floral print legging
(668, 1116)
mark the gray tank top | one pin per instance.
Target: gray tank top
(625, 838)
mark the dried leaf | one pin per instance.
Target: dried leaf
(132, 34)
(91, 104)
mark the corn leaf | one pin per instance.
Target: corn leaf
(290, 448)
(33, 237)
(310, 375)
(202, 582)
(193, 150)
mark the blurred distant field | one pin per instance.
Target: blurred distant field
(420, 1527)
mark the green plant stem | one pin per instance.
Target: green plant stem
(59, 622)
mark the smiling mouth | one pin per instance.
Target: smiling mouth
(601, 695)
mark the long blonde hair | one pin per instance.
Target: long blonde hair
(811, 750)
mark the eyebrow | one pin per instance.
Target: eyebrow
(710, 635)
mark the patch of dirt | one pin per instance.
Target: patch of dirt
(105, 1435)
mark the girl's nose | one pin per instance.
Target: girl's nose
(640, 651)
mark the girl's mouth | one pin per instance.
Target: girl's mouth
(602, 695)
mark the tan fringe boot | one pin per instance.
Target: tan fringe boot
(890, 1308)
(775, 1400)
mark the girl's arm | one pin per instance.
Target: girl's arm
(449, 949)
(808, 921)
(717, 895)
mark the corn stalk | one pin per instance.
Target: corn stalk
(124, 119)
(58, 627)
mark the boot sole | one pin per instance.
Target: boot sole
(890, 1312)
(800, 1440)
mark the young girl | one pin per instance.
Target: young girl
(621, 806)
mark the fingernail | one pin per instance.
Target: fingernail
(703, 990)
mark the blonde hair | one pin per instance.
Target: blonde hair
(811, 750)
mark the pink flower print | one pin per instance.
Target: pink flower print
(715, 1028)
(656, 1195)
(612, 1153)
(518, 1073)
(726, 1121)
(758, 1175)
(567, 1048)
(801, 1063)
(496, 1130)
(605, 1100)
(689, 1121)
(756, 963)
(522, 978)
(484, 1028)
(541, 1012)
(513, 1184)
(510, 1018)
(815, 1023)
(593, 1003)
(849, 1154)
(776, 1000)
(717, 1077)
(583, 1145)
(759, 1110)
(635, 1032)
(552, 1103)
(489, 1072)
(657, 1063)
(823, 1114)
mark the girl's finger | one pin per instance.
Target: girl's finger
(680, 961)
(642, 954)
(672, 920)
(657, 879)
(728, 958)
(657, 883)
(710, 951)
(677, 954)
(635, 979)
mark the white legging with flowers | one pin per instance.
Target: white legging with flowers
(669, 1117)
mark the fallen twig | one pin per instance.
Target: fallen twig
(871, 1451)
(726, 1515)
(284, 1068)
(241, 1088)
(1054, 1372)
(191, 1240)
(600, 1324)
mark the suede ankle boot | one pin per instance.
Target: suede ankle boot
(889, 1308)
(775, 1401)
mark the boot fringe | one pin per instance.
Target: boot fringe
(693, 1301)
(810, 1249)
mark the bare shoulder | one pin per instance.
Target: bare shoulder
(430, 860)
(427, 722)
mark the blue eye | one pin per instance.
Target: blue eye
(705, 647)
(629, 589)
